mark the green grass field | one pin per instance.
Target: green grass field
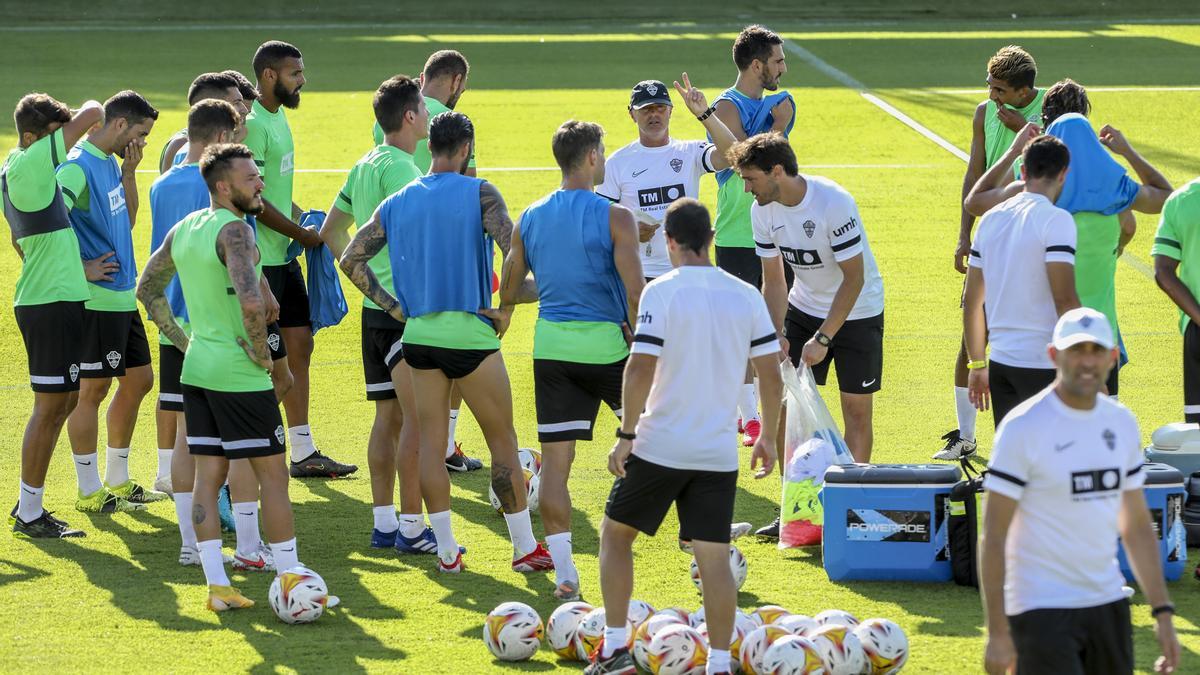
(117, 600)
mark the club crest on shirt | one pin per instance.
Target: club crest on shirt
(1110, 439)
(677, 165)
(809, 228)
(113, 358)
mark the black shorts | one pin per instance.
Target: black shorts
(233, 424)
(1089, 640)
(381, 351)
(568, 395)
(856, 351)
(1191, 373)
(170, 367)
(703, 499)
(454, 363)
(53, 336)
(745, 264)
(287, 285)
(1011, 386)
(112, 343)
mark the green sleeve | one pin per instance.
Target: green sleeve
(343, 201)
(73, 183)
(31, 172)
(1166, 238)
(256, 140)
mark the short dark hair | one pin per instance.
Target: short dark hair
(687, 223)
(1064, 96)
(448, 132)
(36, 112)
(210, 85)
(217, 159)
(1046, 157)
(573, 141)
(754, 43)
(764, 152)
(245, 86)
(271, 54)
(396, 97)
(1013, 65)
(208, 118)
(445, 62)
(129, 105)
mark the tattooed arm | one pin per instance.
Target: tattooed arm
(236, 248)
(368, 241)
(499, 225)
(151, 292)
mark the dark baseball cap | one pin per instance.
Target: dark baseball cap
(649, 92)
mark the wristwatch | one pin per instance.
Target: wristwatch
(822, 339)
(707, 113)
(624, 436)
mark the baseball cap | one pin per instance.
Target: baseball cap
(649, 92)
(1082, 324)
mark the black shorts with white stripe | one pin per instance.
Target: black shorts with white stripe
(53, 336)
(1191, 373)
(568, 396)
(170, 367)
(233, 424)
(381, 351)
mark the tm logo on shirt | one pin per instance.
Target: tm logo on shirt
(1095, 481)
(660, 196)
(286, 163)
(116, 199)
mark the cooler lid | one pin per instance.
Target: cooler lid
(1158, 473)
(893, 474)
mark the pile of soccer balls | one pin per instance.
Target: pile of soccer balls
(672, 641)
(531, 466)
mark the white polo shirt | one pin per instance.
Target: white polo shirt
(649, 179)
(824, 229)
(1067, 469)
(703, 324)
(1013, 243)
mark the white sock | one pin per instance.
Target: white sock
(450, 438)
(614, 639)
(560, 551)
(718, 661)
(748, 403)
(410, 524)
(29, 503)
(966, 413)
(116, 468)
(300, 438)
(87, 473)
(213, 562)
(385, 518)
(183, 511)
(164, 463)
(245, 526)
(447, 546)
(285, 555)
(520, 531)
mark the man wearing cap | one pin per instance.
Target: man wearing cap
(1022, 268)
(1064, 482)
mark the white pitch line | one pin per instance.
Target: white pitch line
(506, 169)
(983, 92)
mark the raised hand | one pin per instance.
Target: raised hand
(692, 97)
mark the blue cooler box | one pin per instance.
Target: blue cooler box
(887, 522)
(1164, 495)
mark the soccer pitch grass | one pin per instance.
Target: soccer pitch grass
(118, 600)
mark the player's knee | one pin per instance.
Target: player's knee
(137, 381)
(92, 391)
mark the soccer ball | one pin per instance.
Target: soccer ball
(885, 645)
(530, 459)
(793, 655)
(680, 613)
(799, 624)
(696, 618)
(769, 614)
(745, 622)
(513, 631)
(737, 565)
(298, 595)
(835, 617)
(840, 649)
(590, 632)
(646, 632)
(735, 640)
(677, 650)
(531, 493)
(639, 611)
(560, 629)
(755, 645)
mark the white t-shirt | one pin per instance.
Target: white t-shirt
(649, 179)
(815, 235)
(703, 324)
(1067, 469)
(1013, 243)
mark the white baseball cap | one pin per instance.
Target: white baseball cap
(1083, 324)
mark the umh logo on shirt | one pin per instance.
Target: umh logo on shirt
(286, 163)
(116, 199)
